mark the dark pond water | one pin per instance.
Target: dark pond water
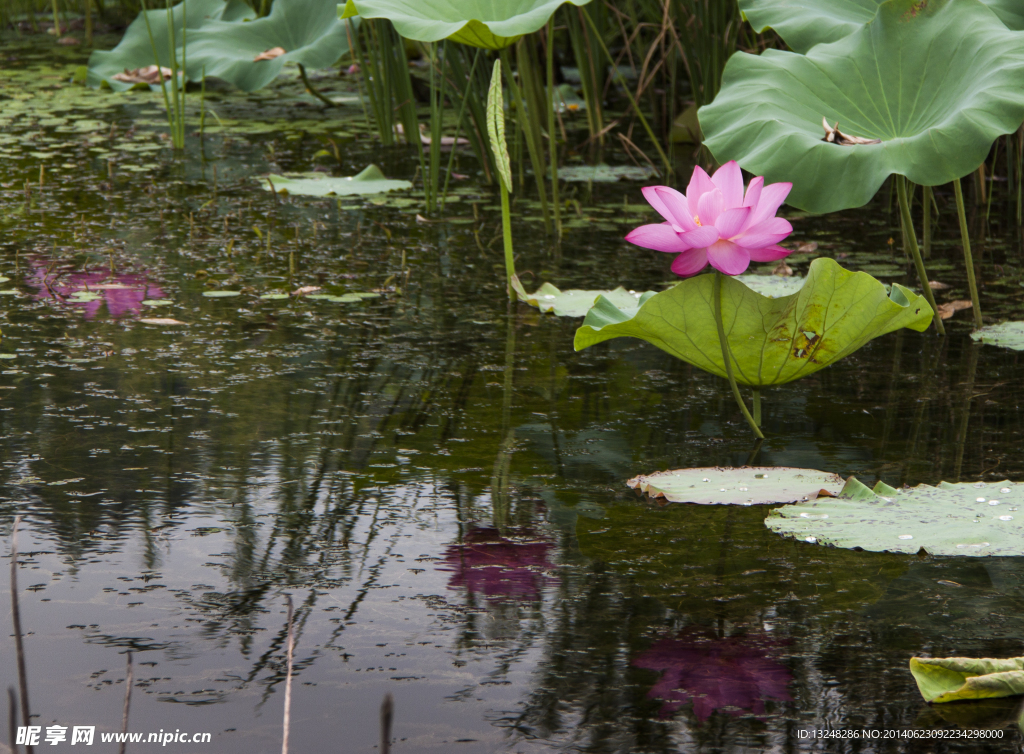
(439, 481)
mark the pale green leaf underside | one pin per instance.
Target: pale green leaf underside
(370, 181)
(937, 85)
(575, 303)
(222, 43)
(496, 127)
(747, 485)
(975, 519)
(491, 24)
(953, 679)
(772, 286)
(773, 340)
(1005, 334)
(805, 23)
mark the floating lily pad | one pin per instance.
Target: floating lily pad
(369, 181)
(78, 296)
(1006, 334)
(954, 679)
(4, 279)
(161, 321)
(605, 173)
(351, 298)
(274, 296)
(772, 340)
(9, 292)
(576, 303)
(8, 355)
(772, 286)
(221, 294)
(976, 519)
(157, 301)
(480, 23)
(959, 60)
(746, 485)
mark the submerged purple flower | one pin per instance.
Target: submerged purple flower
(732, 674)
(489, 564)
(716, 223)
(122, 294)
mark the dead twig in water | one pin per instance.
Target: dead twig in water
(387, 712)
(127, 704)
(16, 617)
(288, 682)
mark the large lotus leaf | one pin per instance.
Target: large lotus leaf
(223, 43)
(773, 340)
(953, 679)
(935, 82)
(805, 23)
(952, 519)
(746, 485)
(576, 303)
(711, 561)
(480, 23)
(135, 50)
(370, 181)
(1005, 334)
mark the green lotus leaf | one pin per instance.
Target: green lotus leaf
(952, 519)
(747, 485)
(1005, 334)
(370, 181)
(576, 303)
(773, 340)
(221, 294)
(805, 23)
(135, 50)
(720, 562)
(935, 83)
(480, 23)
(223, 40)
(954, 679)
(606, 173)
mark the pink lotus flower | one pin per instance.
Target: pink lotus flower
(715, 223)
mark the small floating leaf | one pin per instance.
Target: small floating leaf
(8, 355)
(9, 292)
(605, 173)
(952, 519)
(274, 296)
(1006, 334)
(369, 181)
(746, 485)
(221, 294)
(156, 301)
(161, 321)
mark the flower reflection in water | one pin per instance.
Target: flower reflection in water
(733, 675)
(90, 289)
(499, 568)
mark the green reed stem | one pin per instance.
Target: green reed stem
(926, 200)
(910, 238)
(757, 407)
(529, 126)
(458, 127)
(506, 237)
(727, 358)
(965, 238)
(552, 138)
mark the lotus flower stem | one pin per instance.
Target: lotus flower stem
(727, 358)
(552, 139)
(757, 407)
(312, 89)
(926, 200)
(506, 236)
(911, 240)
(968, 259)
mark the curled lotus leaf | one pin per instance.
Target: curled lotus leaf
(955, 679)
(370, 181)
(973, 519)
(805, 23)
(773, 340)
(480, 23)
(746, 485)
(575, 303)
(935, 82)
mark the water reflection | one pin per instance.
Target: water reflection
(91, 289)
(497, 567)
(732, 674)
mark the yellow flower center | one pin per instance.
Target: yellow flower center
(696, 219)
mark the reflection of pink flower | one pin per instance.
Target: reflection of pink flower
(714, 223)
(731, 674)
(123, 294)
(497, 567)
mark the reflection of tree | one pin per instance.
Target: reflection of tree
(731, 674)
